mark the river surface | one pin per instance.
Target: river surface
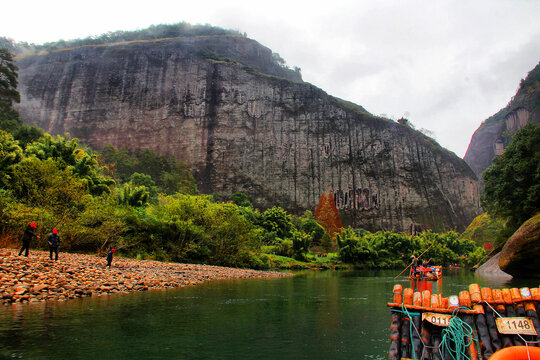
(314, 315)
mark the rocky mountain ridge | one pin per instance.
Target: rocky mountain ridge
(243, 123)
(496, 132)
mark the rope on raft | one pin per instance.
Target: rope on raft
(472, 333)
(454, 334)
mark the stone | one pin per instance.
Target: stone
(519, 256)
(78, 284)
(20, 289)
(491, 269)
(39, 287)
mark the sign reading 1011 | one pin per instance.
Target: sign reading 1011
(437, 319)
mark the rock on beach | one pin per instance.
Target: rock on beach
(36, 278)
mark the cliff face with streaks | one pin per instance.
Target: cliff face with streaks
(245, 124)
(496, 132)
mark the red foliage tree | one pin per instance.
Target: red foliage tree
(327, 214)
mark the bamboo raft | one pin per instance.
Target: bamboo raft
(430, 273)
(473, 325)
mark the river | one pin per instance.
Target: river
(314, 315)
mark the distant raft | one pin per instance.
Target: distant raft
(481, 323)
(429, 273)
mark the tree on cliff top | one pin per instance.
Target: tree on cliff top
(8, 81)
(512, 182)
(9, 117)
(326, 214)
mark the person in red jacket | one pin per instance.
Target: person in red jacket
(29, 233)
(110, 256)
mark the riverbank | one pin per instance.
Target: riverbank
(37, 278)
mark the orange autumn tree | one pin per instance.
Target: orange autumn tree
(326, 214)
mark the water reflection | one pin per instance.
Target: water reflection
(434, 287)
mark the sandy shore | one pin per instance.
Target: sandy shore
(37, 278)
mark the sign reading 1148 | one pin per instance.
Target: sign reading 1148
(516, 325)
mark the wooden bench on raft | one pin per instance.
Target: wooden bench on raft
(474, 325)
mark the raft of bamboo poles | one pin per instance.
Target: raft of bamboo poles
(426, 273)
(429, 326)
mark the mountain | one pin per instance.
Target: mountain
(244, 122)
(496, 132)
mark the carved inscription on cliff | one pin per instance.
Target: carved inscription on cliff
(359, 199)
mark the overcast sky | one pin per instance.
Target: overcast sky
(444, 65)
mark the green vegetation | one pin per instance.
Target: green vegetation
(162, 31)
(385, 249)
(9, 118)
(485, 229)
(159, 174)
(531, 84)
(512, 182)
(210, 55)
(57, 183)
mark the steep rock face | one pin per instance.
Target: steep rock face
(491, 269)
(519, 255)
(241, 128)
(490, 139)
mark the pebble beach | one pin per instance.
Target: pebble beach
(36, 278)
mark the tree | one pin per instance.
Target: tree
(327, 214)
(192, 228)
(8, 81)
(9, 117)
(512, 182)
(10, 120)
(138, 179)
(10, 154)
(132, 195)
(277, 220)
(301, 242)
(241, 199)
(170, 175)
(312, 227)
(42, 183)
(27, 135)
(68, 155)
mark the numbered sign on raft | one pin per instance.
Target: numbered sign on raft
(437, 319)
(516, 325)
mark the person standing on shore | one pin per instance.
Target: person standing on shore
(110, 256)
(54, 242)
(29, 233)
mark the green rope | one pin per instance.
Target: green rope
(455, 334)
(410, 315)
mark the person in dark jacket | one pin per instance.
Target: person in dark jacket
(110, 256)
(29, 233)
(54, 242)
(414, 263)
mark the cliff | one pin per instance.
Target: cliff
(519, 256)
(496, 132)
(243, 123)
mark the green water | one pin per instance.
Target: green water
(314, 315)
